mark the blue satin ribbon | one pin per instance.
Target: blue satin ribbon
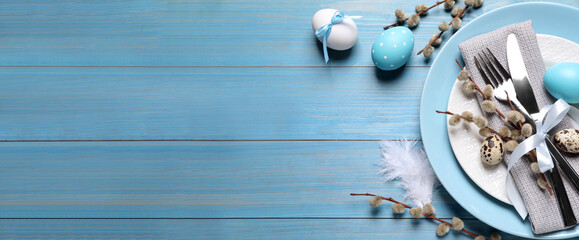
(551, 116)
(324, 31)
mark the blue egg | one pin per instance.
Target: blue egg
(392, 48)
(562, 81)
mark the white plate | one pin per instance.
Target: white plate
(466, 141)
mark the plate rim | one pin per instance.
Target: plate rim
(426, 124)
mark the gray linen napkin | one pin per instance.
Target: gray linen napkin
(544, 212)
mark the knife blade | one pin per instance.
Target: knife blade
(520, 77)
(526, 97)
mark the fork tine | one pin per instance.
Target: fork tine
(491, 75)
(500, 67)
(482, 73)
(491, 68)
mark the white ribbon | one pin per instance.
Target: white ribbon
(553, 114)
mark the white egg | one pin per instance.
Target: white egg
(343, 35)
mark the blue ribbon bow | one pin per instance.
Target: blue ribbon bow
(324, 31)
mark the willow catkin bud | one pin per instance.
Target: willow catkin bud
(457, 224)
(443, 26)
(542, 183)
(488, 91)
(448, 4)
(484, 132)
(495, 236)
(468, 87)
(456, 11)
(416, 212)
(463, 75)
(535, 167)
(413, 20)
(427, 51)
(505, 131)
(478, 3)
(398, 208)
(515, 116)
(429, 209)
(479, 237)
(468, 115)
(435, 40)
(375, 201)
(527, 130)
(516, 134)
(420, 8)
(400, 15)
(454, 120)
(489, 106)
(442, 229)
(456, 22)
(511, 145)
(469, 2)
(480, 121)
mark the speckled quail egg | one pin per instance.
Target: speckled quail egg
(567, 140)
(492, 150)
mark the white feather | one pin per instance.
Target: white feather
(406, 161)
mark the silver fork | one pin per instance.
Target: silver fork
(501, 82)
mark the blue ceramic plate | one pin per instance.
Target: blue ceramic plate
(548, 18)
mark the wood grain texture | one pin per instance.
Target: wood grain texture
(128, 103)
(196, 180)
(231, 229)
(138, 119)
(197, 33)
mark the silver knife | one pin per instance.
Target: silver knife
(531, 111)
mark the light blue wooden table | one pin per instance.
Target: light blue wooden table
(171, 119)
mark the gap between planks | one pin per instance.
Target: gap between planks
(217, 140)
(237, 218)
(321, 66)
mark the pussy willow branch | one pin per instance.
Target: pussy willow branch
(470, 120)
(430, 43)
(406, 206)
(441, 32)
(533, 154)
(478, 89)
(419, 13)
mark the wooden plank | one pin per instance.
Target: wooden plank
(231, 229)
(196, 33)
(114, 103)
(197, 180)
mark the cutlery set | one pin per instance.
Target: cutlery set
(516, 84)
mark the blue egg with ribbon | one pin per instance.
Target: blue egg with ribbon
(392, 48)
(562, 81)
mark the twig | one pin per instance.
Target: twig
(478, 89)
(533, 154)
(406, 206)
(470, 120)
(441, 32)
(419, 13)
(430, 43)
(533, 157)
